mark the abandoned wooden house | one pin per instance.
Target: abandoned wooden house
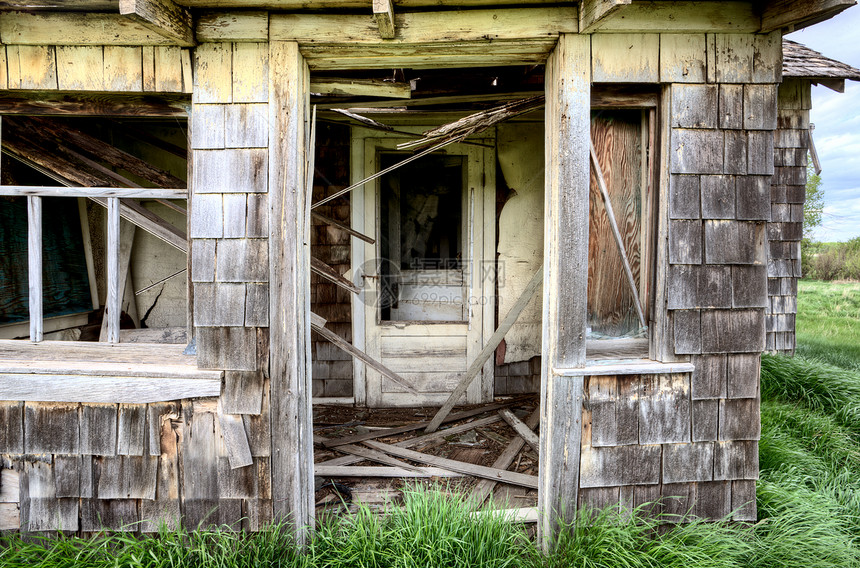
(216, 213)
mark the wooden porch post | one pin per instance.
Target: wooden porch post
(568, 91)
(289, 308)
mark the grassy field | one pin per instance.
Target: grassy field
(828, 322)
(808, 496)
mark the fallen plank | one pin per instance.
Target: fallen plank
(361, 355)
(511, 477)
(522, 430)
(488, 350)
(372, 455)
(331, 275)
(485, 487)
(322, 470)
(411, 442)
(418, 425)
(342, 227)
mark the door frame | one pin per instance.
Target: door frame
(482, 313)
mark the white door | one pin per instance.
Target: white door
(429, 280)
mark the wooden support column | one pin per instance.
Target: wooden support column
(113, 301)
(383, 11)
(289, 284)
(34, 256)
(567, 127)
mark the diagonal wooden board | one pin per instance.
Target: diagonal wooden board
(485, 487)
(488, 350)
(511, 477)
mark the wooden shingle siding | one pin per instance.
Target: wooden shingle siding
(785, 229)
(96, 68)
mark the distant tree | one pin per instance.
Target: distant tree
(813, 206)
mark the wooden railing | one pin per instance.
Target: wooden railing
(110, 195)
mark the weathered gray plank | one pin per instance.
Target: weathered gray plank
(744, 501)
(131, 430)
(247, 126)
(733, 242)
(733, 331)
(735, 152)
(292, 448)
(687, 331)
(242, 260)
(256, 305)
(219, 304)
(203, 260)
(743, 374)
(705, 414)
(627, 410)
(64, 388)
(753, 197)
(684, 197)
(696, 151)
(694, 106)
(230, 348)
(734, 58)
(67, 475)
(11, 428)
(620, 465)
(740, 419)
(231, 171)
(234, 215)
(235, 439)
(207, 217)
(688, 462)
(736, 460)
(207, 127)
(257, 221)
(685, 242)
(760, 107)
(731, 106)
(713, 500)
(760, 152)
(664, 409)
(125, 477)
(718, 196)
(51, 428)
(682, 58)
(110, 514)
(200, 455)
(709, 379)
(749, 286)
(243, 392)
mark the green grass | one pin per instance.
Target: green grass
(808, 497)
(828, 322)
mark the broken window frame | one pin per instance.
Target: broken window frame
(108, 196)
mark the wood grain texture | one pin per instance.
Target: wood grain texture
(85, 388)
(625, 58)
(34, 264)
(289, 365)
(235, 26)
(682, 58)
(80, 68)
(75, 28)
(163, 17)
(235, 439)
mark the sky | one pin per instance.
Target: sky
(837, 126)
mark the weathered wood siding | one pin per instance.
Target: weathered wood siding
(96, 68)
(785, 229)
(694, 435)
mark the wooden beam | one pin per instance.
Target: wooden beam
(522, 430)
(330, 274)
(92, 192)
(418, 440)
(593, 13)
(126, 241)
(373, 455)
(383, 13)
(233, 26)
(568, 85)
(513, 478)
(348, 347)
(345, 228)
(142, 217)
(322, 470)
(485, 487)
(34, 273)
(360, 87)
(113, 301)
(791, 15)
(67, 387)
(289, 285)
(487, 351)
(684, 16)
(78, 104)
(421, 28)
(76, 28)
(163, 17)
(454, 416)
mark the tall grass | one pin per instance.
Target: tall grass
(828, 323)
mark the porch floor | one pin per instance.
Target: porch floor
(477, 440)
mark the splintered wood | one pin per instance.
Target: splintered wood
(475, 451)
